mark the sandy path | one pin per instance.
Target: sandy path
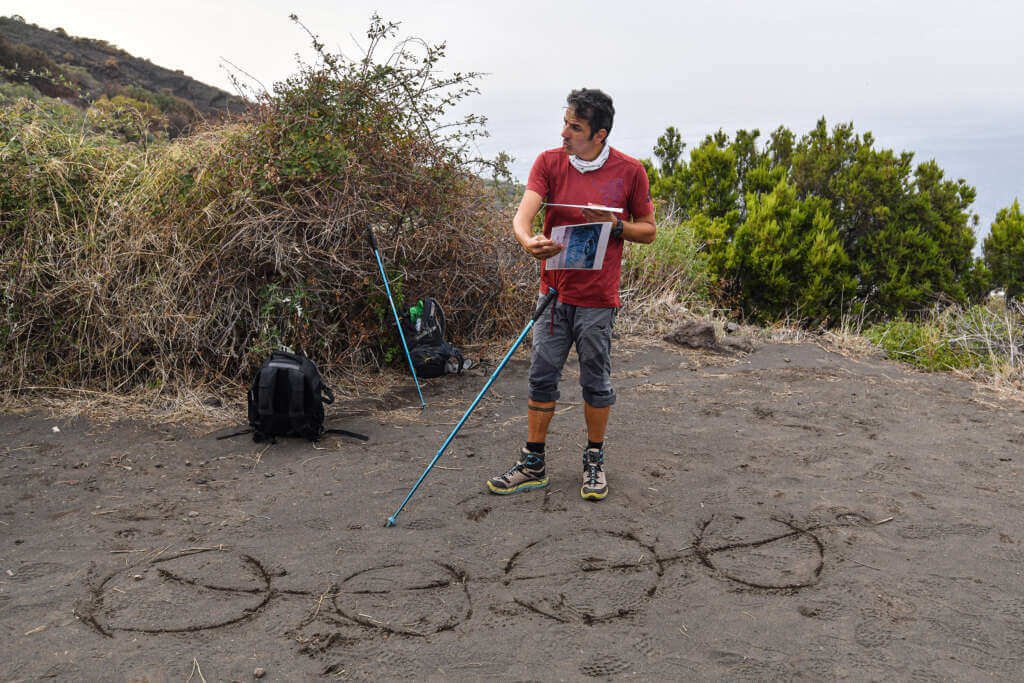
(794, 513)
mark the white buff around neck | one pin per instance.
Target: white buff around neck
(584, 166)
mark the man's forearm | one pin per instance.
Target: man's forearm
(642, 232)
(522, 228)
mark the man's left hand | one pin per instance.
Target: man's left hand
(592, 216)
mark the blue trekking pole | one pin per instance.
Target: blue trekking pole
(540, 310)
(398, 321)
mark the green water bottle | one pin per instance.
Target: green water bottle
(415, 313)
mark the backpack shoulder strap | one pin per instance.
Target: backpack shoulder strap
(234, 434)
(438, 314)
(297, 402)
(312, 375)
(345, 432)
(265, 395)
(317, 384)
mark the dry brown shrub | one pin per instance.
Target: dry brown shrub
(174, 267)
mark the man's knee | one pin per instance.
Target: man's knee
(596, 380)
(599, 399)
(544, 393)
(544, 378)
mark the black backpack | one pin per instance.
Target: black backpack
(424, 324)
(425, 335)
(432, 360)
(287, 398)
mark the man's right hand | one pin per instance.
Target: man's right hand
(540, 247)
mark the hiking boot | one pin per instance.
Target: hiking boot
(595, 485)
(527, 473)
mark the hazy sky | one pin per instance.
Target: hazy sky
(943, 79)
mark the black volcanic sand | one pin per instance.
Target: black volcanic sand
(791, 513)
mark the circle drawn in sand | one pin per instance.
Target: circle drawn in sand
(786, 561)
(616, 576)
(417, 598)
(193, 591)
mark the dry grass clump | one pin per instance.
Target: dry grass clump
(173, 267)
(993, 334)
(985, 340)
(664, 282)
(983, 343)
(845, 337)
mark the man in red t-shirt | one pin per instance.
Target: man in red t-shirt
(585, 170)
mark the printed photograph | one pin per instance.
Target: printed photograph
(581, 247)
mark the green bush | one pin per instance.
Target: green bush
(9, 92)
(26, 64)
(672, 266)
(1004, 251)
(128, 119)
(921, 344)
(82, 80)
(786, 260)
(982, 337)
(901, 231)
(57, 169)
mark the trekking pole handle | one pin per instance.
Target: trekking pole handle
(551, 296)
(373, 238)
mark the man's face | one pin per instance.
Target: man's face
(577, 138)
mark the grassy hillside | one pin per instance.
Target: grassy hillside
(84, 70)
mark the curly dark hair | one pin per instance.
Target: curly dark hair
(594, 106)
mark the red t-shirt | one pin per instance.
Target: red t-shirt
(622, 183)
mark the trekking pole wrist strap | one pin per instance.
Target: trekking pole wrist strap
(551, 295)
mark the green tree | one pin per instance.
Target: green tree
(864, 185)
(978, 282)
(668, 150)
(714, 179)
(907, 230)
(1004, 250)
(754, 171)
(760, 171)
(920, 250)
(940, 209)
(714, 234)
(897, 261)
(780, 147)
(786, 258)
(708, 184)
(718, 175)
(904, 228)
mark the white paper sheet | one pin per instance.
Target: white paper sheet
(592, 207)
(583, 245)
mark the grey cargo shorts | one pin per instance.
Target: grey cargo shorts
(557, 330)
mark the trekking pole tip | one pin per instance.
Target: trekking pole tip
(390, 522)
